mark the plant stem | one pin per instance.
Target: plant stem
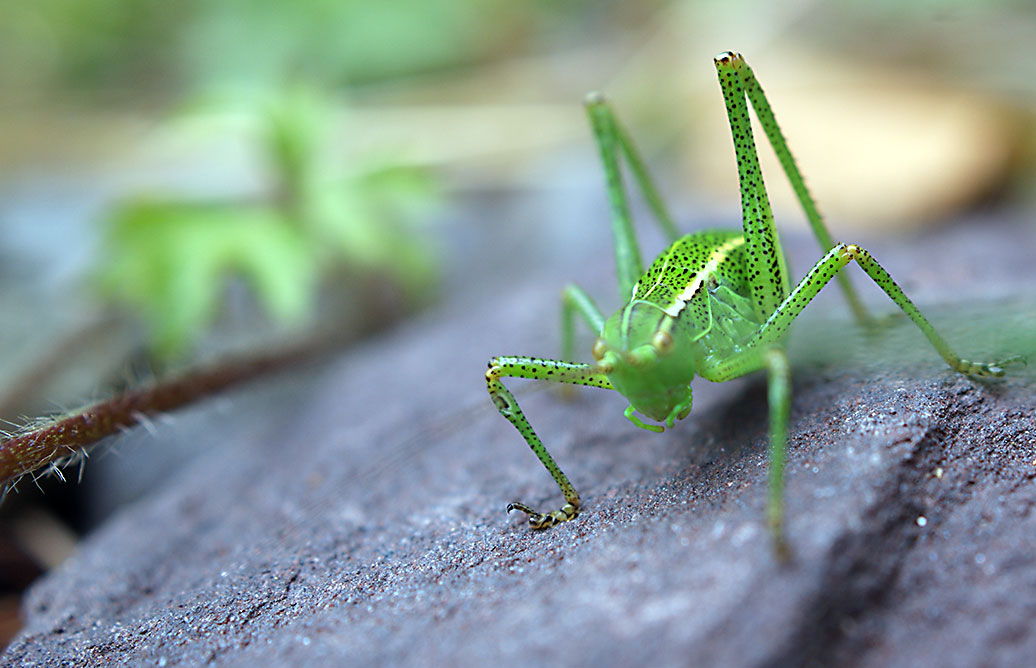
(63, 438)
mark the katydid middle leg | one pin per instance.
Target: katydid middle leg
(774, 328)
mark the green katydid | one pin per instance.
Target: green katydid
(716, 303)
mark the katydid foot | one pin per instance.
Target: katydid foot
(989, 369)
(546, 520)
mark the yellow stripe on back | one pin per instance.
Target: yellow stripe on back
(679, 273)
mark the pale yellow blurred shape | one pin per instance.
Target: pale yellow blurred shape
(879, 150)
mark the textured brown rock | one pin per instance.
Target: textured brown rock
(366, 524)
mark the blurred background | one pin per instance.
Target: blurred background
(183, 181)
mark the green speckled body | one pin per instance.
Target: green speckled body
(715, 304)
(700, 284)
(697, 293)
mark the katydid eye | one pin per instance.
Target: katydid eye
(599, 349)
(662, 342)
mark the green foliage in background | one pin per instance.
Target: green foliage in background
(137, 49)
(332, 40)
(170, 261)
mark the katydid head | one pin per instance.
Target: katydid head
(645, 362)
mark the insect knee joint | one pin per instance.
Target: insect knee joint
(729, 58)
(850, 252)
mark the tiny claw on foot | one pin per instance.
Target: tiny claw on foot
(994, 369)
(545, 520)
(1013, 359)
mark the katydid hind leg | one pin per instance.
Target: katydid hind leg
(768, 275)
(646, 184)
(628, 263)
(614, 141)
(773, 132)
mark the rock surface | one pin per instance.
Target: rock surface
(365, 523)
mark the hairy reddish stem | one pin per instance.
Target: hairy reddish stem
(36, 449)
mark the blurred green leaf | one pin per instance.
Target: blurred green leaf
(361, 220)
(153, 46)
(171, 261)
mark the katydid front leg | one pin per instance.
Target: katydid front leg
(773, 359)
(613, 142)
(544, 369)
